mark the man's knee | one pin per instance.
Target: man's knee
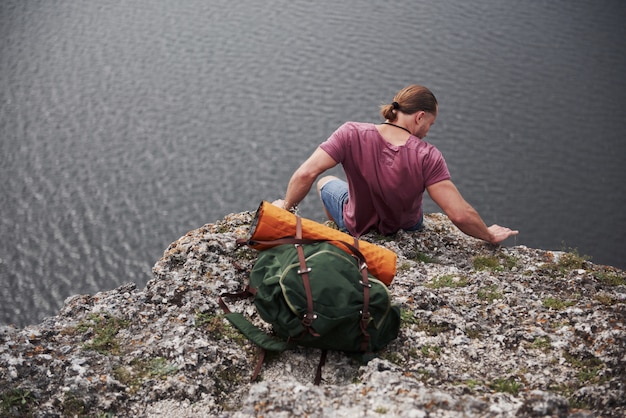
(321, 182)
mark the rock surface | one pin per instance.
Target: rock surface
(487, 331)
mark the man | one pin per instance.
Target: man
(388, 167)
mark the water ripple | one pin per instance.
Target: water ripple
(124, 125)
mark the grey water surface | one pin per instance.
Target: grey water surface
(123, 125)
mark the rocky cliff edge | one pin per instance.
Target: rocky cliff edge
(486, 331)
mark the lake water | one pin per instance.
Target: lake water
(123, 125)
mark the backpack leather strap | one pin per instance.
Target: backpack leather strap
(318, 371)
(310, 316)
(365, 313)
(259, 364)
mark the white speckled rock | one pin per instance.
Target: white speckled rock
(536, 334)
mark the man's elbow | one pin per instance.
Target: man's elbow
(303, 175)
(461, 217)
(308, 173)
(457, 218)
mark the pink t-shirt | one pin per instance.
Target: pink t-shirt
(386, 183)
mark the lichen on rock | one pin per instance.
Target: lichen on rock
(486, 331)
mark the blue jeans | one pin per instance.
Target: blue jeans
(334, 196)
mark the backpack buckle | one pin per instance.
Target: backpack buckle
(308, 319)
(308, 270)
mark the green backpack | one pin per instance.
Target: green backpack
(316, 294)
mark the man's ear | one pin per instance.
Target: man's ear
(419, 116)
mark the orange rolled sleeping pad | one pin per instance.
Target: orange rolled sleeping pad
(272, 223)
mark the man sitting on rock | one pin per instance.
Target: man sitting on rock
(388, 167)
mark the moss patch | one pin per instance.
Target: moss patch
(448, 280)
(104, 327)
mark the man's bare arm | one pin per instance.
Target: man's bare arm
(464, 216)
(304, 177)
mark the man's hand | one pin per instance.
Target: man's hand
(500, 233)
